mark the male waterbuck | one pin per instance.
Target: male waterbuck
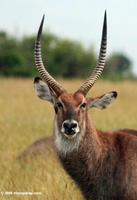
(103, 164)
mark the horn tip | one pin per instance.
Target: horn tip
(41, 24)
(105, 23)
(43, 18)
(105, 17)
(40, 28)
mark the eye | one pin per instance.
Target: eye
(59, 105)
(83, 105)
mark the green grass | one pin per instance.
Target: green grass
(24, 119)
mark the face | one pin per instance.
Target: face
(71, 109)
(70, 114)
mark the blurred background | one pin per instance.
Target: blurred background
(70, 47)
(71, 38)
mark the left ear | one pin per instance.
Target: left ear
(43, 91)
(103, 101)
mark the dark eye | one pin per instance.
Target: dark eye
(59, 105)
(83, 105)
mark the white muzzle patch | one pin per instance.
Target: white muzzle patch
(70, 128)
(65, 143)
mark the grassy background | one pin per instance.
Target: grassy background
(24, 119)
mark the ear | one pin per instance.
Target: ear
(103, 101)
(43, 91)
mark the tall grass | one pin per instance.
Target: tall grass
(24, 119)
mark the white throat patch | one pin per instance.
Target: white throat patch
(65, 145)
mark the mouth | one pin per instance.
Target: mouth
(70, 135)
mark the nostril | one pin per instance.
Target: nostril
(66, 125)
(69, 125)
(74, 125)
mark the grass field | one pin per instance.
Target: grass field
(24, 119)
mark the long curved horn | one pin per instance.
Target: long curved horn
(100, 64)
(52, 83)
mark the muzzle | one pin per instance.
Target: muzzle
(70, 128)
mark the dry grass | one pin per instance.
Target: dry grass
(24, 119)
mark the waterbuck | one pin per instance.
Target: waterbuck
(103, 164)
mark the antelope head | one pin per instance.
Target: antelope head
(71, 109)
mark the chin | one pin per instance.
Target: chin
(67, 144)
(70, 137)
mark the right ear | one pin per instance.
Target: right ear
(43, 91)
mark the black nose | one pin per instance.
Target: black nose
(70, 127)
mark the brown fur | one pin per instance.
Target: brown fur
(71, 109)
(105, 165)
(39, 147)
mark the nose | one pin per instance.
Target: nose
(70, 127)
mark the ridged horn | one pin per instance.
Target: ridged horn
(100, 64)
(52, 83)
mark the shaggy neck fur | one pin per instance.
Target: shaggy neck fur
(80, 155)
(64, 145)
(94, 163)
